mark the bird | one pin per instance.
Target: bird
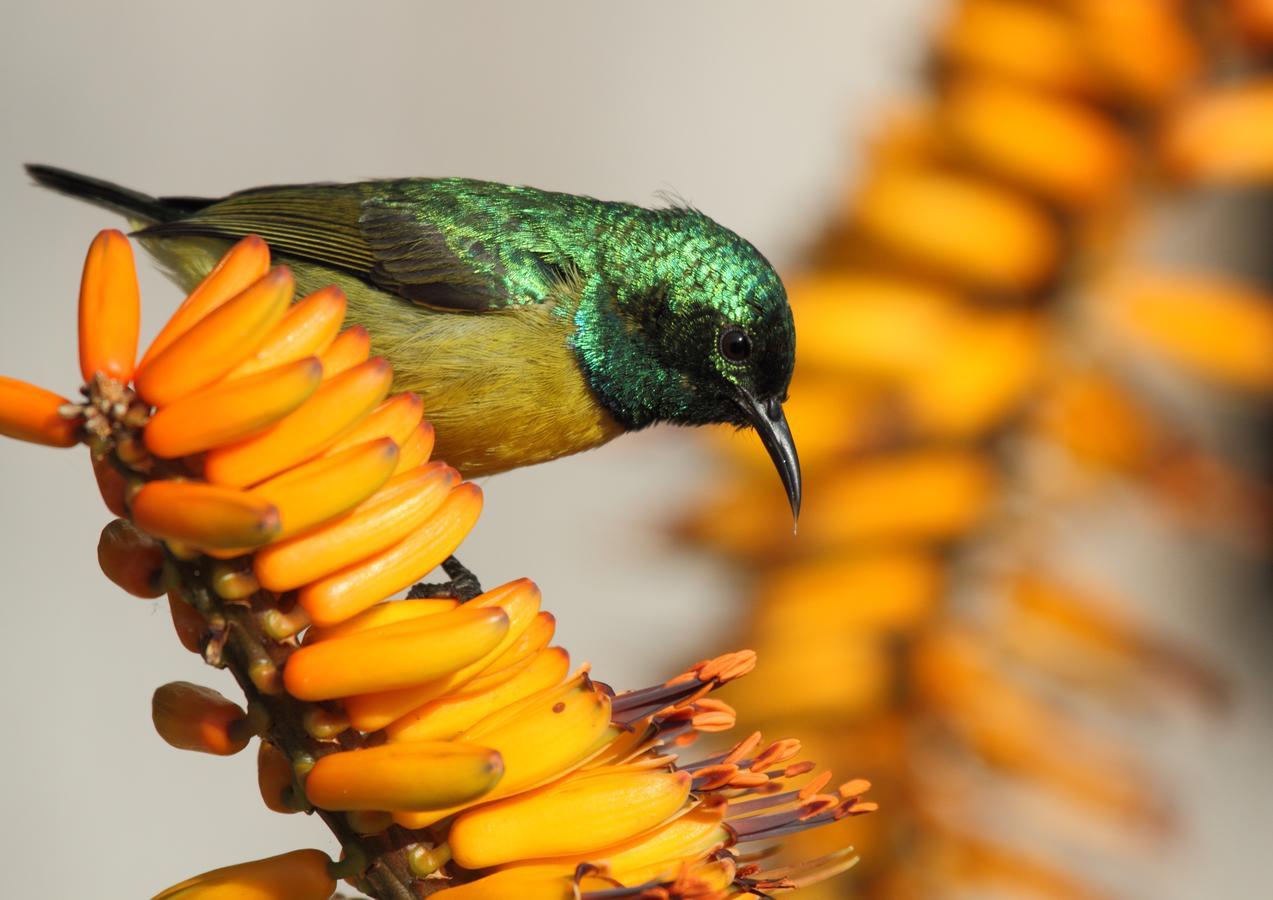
(533, 324)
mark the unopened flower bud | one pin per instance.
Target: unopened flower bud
(191, 717)
(131, 559)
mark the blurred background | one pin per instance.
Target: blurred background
(1026, 245)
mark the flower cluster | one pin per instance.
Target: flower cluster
(992, 346)
(267, 481)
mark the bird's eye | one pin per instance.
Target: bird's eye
(735, 344)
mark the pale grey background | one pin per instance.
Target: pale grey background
(749, 110)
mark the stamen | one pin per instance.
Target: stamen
(742, 748)
(777, 752)
(855, 788)
(815, 785)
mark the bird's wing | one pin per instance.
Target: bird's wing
(413, 259)
(381, 237)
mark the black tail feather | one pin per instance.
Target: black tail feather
(103, 193)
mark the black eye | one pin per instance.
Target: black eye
(735, 344)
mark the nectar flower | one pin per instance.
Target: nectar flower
(268, 481)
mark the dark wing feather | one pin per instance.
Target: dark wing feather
(363, 231)
(414, 260)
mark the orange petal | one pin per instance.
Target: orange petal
(30, 413)
(446, 717)
(231, 411)
(585, 812)
(242, 264)
(649, 857)
(520, 602)
(110, 309)
(217, 343)
(333, 409)
(132, 559)
(381, 521)
(393, 656)
(531, 641)
(419, 776)
(299, 875)
(204, 514)
(328, 487)
(351, 347)
(417, 447)
(388, 612)
(395, 418)
(354, 588)
(540, 739)
(511, 663)
(191, 717)
(307, 329)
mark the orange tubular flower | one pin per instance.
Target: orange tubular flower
(110, 309)
(267, 482)
(420, 775)
(204, 514)
(31, 413)
(351, 347)
(232, 411)
(216, 343)
(308, 329)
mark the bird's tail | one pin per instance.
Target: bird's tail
(134, 204)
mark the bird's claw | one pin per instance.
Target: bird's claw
(463, 585)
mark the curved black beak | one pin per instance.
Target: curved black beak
(767, 418)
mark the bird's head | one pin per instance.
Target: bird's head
(687, 323)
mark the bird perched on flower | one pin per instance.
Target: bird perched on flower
(533, 324)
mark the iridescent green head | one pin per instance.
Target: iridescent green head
(685, 322)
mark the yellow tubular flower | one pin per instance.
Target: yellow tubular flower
(299, 875)
(268, 483)
(584, 812)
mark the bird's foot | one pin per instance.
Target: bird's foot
(463, 585)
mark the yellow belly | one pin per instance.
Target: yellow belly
(501, 388)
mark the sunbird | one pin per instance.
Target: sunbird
(533, 324)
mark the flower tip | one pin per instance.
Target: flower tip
(109, 309)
